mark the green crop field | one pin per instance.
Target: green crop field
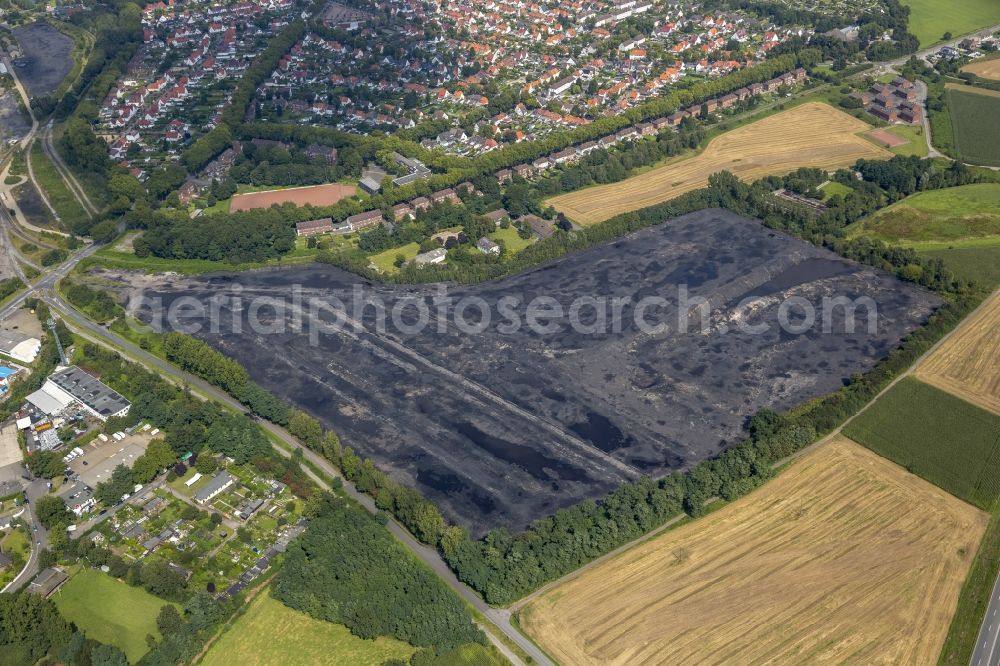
(941, 438)
(110, 611)
(271, 633)
(939, 218)
(978, 264)
(974, 119)
(930, 19)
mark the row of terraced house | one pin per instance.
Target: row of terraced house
(651, 128)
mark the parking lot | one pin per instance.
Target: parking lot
(10, 452)
(101, 458)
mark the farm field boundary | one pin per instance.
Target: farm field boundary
(973, 116)
(938, 436)
(968, 363)
(787, 573)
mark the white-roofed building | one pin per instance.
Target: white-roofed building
(19, 346)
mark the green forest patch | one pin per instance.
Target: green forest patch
(933, 434)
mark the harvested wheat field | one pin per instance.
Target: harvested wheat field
(843, 558)
(968, 363)
(985, 69)
(810, 135)
(313, 195)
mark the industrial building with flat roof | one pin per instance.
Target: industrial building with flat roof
(68, 385)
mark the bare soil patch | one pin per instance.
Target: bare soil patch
(315, 195)
(887, 139)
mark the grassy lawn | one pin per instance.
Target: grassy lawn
(973, 119)
(69, 210)
(978, 264)
(964, 630)
(833, 187)
(938, 219)
(930, 19)
(110, 258)
(384, 260)
(511, 240)
(914, 135)
(110, 611)
(271, 633)
(951, 443)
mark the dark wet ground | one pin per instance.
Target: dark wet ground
(46, 57)
(501, 428)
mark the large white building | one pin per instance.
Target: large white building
(19, 346)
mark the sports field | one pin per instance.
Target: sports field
(939, 216)
(968, 363)
(974, 113)
(110, 611)
(314, 195)
(827, 563)
(985, 69)
(810, 135)
(272, 633)
(937, 436)
(930, 19)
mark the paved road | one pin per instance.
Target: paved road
(987, 652)
(39, 537)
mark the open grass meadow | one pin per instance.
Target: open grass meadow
(271, 633)
(937, 436)
(974, 114)
(511, 240)
(385, 261)
(69, 210)
(930, 19)
(948, 216)
(110, 611)
(916, 143)
(977, 264)
(844, 557)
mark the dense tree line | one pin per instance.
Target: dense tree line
(200, 359)
(97, 303)
(250, 236)
(346, 568)
(9, 286)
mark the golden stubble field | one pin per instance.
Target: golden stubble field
(968, 363)
(987, 69)
(810, 135)
(843, 558)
